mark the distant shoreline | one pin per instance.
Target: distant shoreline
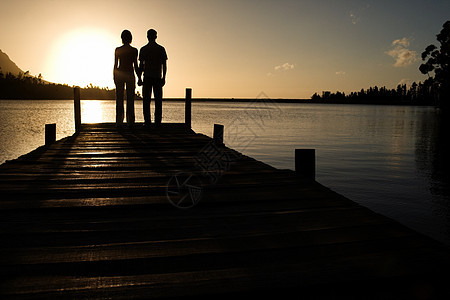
(262, 100)
(303, 101)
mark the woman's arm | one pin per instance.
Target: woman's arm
(137, 68)
(116, 60)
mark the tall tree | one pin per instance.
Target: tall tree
(437, 60)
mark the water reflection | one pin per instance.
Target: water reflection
(93, 111)
(432, 162)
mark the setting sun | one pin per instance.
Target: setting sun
(84, 56)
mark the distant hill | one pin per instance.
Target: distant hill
(7, 65)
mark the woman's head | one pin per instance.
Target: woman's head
(126, 37)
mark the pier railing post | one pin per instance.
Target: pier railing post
(187, 109)
(50, 134)
(77, 108)
(305, 162)
(218, 134)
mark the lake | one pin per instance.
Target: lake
(391, 159)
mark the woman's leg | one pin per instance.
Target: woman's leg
(119, 101)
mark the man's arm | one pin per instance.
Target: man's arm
(164, 68)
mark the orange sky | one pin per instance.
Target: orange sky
(286, 48)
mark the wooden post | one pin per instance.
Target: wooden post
(187, 110)
(77, 108)
(218, 134)
(305, 162)
(50, 134)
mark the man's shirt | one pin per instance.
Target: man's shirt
(153, 56)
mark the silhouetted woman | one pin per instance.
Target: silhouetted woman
(125, 65)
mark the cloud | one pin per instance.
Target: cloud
(402, 42)
(354, 18)
(285, 66)
(400, 52)
(281, 68)
(356, 13)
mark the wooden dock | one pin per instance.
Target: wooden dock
(95, 215)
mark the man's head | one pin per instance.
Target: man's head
(126, 37)
(151, 34)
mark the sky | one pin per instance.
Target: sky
(229, 49)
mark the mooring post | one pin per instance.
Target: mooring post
(218, 134)
(50, 134)
(187, 108)
(77, 108)
(305, 162)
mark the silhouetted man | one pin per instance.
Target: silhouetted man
(125, 64)
(153, 62)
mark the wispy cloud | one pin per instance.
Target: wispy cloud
(355, 14)
(354, 17)
(401, 42)
(400, 52)
(285, 66)
(281, 68)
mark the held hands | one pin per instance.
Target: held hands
(163, 82)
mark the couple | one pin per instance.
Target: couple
(153, 62)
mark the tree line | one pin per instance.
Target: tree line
(24, 86)
(425, 93)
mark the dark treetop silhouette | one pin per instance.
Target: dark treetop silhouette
(125, 63)
(152, 60)
(438, 61)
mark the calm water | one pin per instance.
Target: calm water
(391, 159)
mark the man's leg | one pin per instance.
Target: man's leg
(119, 102)
(146, 97)
(130, 101)
(157, 90)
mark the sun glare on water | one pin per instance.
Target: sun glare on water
(83, 57)
(92, 111)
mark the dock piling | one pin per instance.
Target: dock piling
(77, 108)
(50, 134)
(218, 134)
(187, 111)
(305, 162)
